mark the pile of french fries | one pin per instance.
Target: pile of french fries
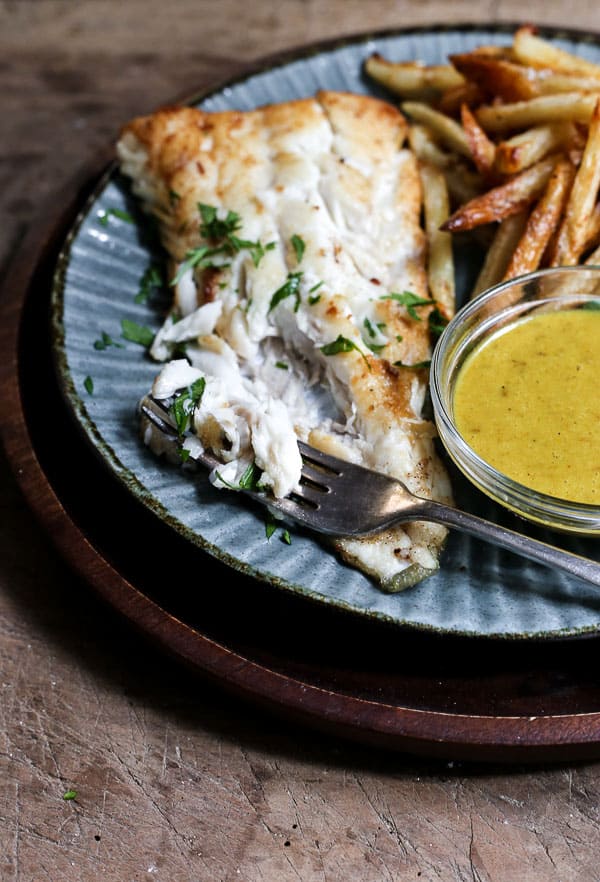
(508, 143)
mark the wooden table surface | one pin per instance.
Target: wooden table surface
(177, 781)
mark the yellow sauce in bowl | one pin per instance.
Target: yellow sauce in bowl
(527, 401)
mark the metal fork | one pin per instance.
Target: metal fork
(339, 498)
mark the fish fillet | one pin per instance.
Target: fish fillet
(300, 297)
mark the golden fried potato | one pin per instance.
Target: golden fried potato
(502, 201)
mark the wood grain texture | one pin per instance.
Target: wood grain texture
(176, 781)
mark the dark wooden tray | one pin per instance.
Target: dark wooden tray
(459, 698)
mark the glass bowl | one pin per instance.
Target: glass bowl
(499, 309)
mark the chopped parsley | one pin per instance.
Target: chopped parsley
(316, 287)
(104, 341)
(88, 385)
(185, 403)
(135, 333)
(212, 227)
(298, 246)
(369, 326)
(437, 322)
(290, 288)
(282, 365)
(69, 795)
(250, 480)
(201, 256)
(256, 249)
(271, 525)
(410, 301)
(149, 283)
(220, 232)
(342, 344)
(415, 366)
(314, 299)
(104, 216)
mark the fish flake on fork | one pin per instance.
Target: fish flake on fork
(339, 498)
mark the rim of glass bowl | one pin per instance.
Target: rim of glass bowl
(462, 334)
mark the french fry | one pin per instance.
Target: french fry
(508, 143)
(594, 258)
(463, 183)
(504, 200)
(566, 106)
(426, 148)
(412, 77)
(507, 235)
(571, 238)
(523, 150)
(440, 260)
(550, 82)
(483, 150)
(451, 100)
(445, 129)
(496, 76)
(542, 222)
(532, 50)
(592, 239)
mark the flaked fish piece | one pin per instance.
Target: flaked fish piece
(300, 295)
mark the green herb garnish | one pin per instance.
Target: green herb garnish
(342, 344)
(410, 301)
(437, 322)
(415, 366)
(299, 246)
(105, 341)
(135, 333)
(271, 525)
(70, 794)
(282, 365)
(104, 216)
(369, 326)
(201, 256)
(221, 232)
(256, 249)
(88, 385)
(185, 403)
(212, 227)
(150, 281)
(250, 480)
(316, 287)
(290, 288)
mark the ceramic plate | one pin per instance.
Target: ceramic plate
(479, 590)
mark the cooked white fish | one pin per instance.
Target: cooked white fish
(300, 296)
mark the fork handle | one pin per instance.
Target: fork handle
(541, 552)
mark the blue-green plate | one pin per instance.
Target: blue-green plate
(478, 591)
